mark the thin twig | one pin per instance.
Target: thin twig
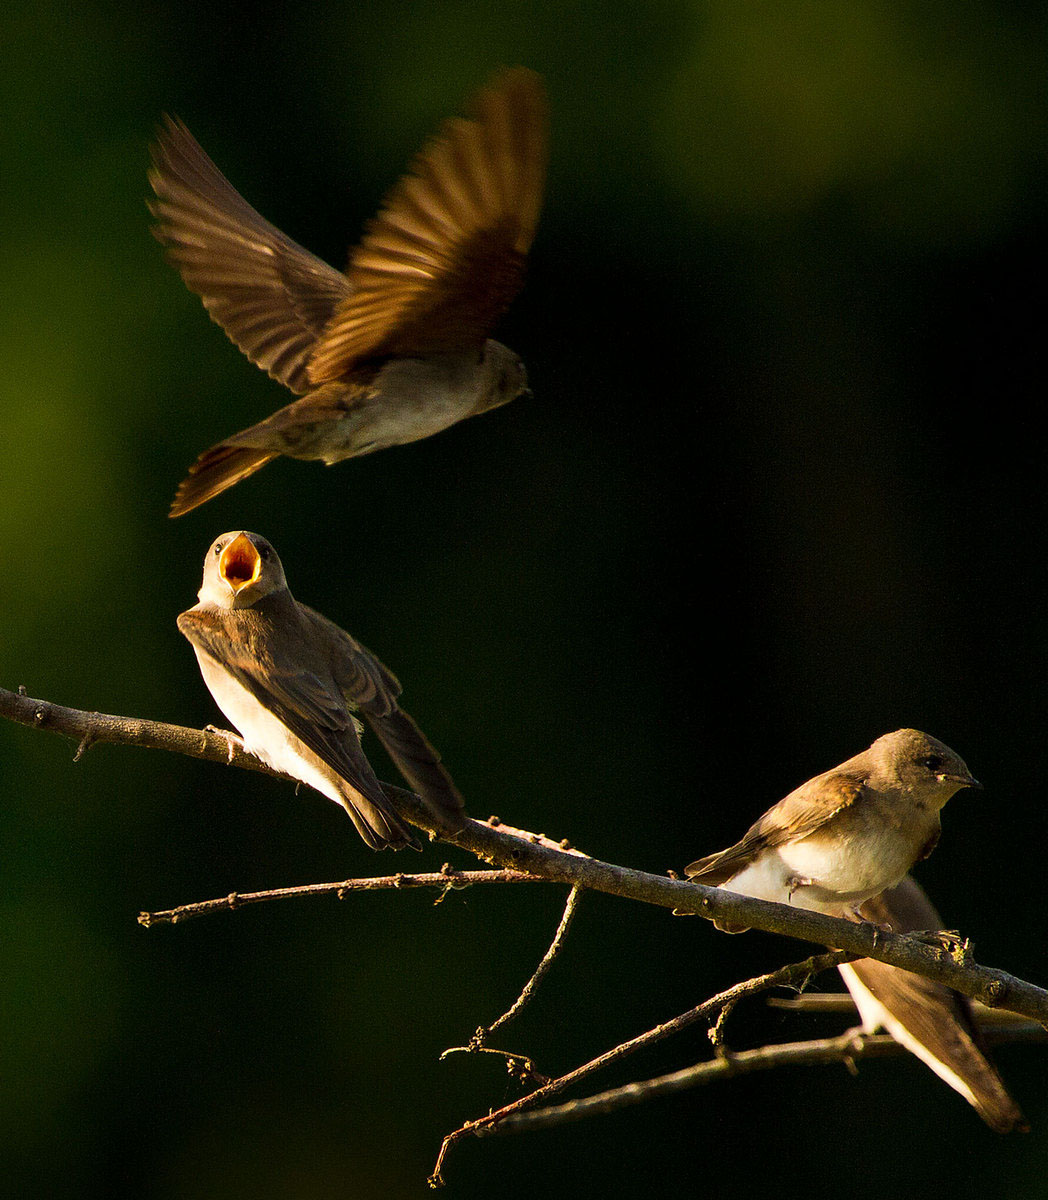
(536, 855)
(519, 1065)
(842, 1002)
(574, 896)
(845, 1048)
(446, 878)
(787, 976)
(94, 728)
(716, 1031)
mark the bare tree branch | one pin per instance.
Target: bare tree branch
(847, 1048)
(447, 879)
(841, 1002)
(794, 975)
(519, 1064)
(574, 896)
(539, 856)
(94, 728)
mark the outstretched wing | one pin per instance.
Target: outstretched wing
(445, 256)
(272, 297)
(796, 816)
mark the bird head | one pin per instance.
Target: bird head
(506, 376)
(239, 570)
(921, 764)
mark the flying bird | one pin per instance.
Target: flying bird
(845, 835)
(395, 349)
(933, 1022)
(291, 681)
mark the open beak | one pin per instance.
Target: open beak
(240, 564)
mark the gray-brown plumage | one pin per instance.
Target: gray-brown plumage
(847, 834)
(397, 348)
(290, 681)
(933, 1022)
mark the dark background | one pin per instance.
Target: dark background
(780, 490)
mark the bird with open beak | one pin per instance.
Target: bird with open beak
(290, 680)
(845, 835)
(397, 348)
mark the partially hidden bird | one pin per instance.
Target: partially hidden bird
(847, 834)
(395, 349)
(933, 1022)
(291, 682)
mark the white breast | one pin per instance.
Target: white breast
(764, 879)
(774, 875)
(263, 734)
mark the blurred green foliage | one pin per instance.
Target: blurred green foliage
(780, 489)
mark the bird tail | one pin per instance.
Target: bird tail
(935, 1024)
(930, 1020)
(376, 823)
(214, 471)
(420, 765)
(715, 869)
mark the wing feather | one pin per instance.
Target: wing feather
(298, 692)
(937, 1021)
(372, 688)
(445, 256)
(270, 295)
(796, 816)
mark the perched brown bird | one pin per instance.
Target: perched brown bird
(290, 680)
(397, 348)
(846, 835)
(933, 1022)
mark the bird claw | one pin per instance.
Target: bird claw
(882, 926)
(949, 940)
(797, 881)
(233, 741)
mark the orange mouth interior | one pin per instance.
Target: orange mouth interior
(240, 563)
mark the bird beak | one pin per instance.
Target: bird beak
(967, 781)
(240, 564)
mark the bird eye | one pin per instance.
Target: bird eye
(218, 549)
(933, 762)
(264, 553)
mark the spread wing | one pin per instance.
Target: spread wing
(796, 816)
(445, 256)
(292, 683)
(272, 297)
